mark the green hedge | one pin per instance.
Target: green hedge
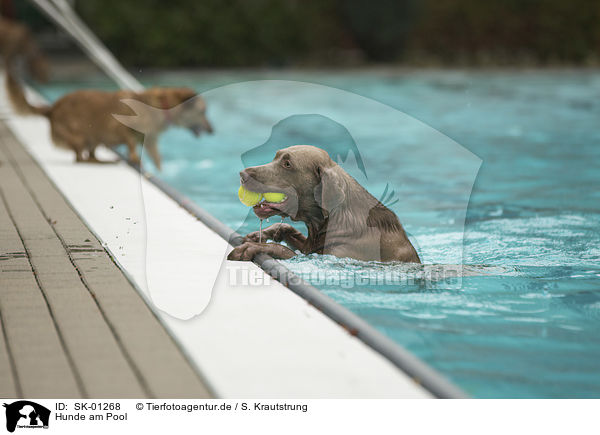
(208, 32)
(479, 31)
(176, 33)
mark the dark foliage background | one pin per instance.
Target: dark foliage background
(179, 33)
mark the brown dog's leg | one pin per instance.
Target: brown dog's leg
(92, 155)
(248, 250)
(151, 144)
(79, 155)
(278, 232)
(63, 138)
(134, 157)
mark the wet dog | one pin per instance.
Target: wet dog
(342, 218)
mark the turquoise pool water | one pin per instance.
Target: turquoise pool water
(526, 321)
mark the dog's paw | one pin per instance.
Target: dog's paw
(245, 252)
(254, 237)
(257, 237)
(248, 250)
(275, 233)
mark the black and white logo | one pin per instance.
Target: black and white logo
(26, 414)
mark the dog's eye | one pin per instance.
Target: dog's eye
(287, 164)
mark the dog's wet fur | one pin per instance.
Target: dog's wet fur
(342, 218)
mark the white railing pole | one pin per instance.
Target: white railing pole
(63, 15)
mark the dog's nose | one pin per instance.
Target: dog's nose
(244, 176)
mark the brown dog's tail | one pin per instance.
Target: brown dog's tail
(18, 99)
(37, 64)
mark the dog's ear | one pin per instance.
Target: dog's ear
(330, 193)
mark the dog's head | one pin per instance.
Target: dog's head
(312, 182)
(183, 107)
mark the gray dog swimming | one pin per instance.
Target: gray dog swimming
(342, 218)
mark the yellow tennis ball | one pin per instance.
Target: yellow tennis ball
(248, 197)
(274, 197)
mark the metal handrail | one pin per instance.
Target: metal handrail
(63, 15)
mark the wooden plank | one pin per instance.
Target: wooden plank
(8, 375)
(158, 361)
(98, 361)
(41, 365)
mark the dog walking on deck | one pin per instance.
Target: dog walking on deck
(84, 119)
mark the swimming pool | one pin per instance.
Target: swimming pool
(525, 324)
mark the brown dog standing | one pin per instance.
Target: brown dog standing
(342, 218)
(82, 120)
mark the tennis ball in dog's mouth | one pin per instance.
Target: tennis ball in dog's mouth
(274, 197)
(249, 198)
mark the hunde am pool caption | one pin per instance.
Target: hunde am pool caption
(113, 411)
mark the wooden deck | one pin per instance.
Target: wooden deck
(72, 324)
